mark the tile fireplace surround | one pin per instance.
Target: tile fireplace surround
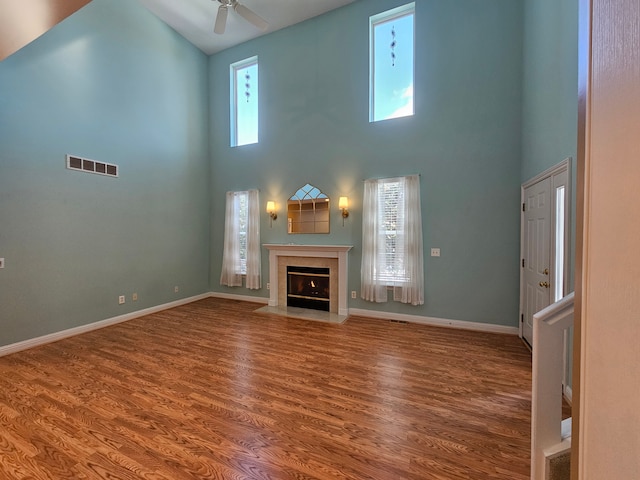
(333, 257)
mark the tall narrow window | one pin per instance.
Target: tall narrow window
(392, 250)
(244, 102)
(391, 47)
(241, 254)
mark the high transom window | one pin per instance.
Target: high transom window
(244, 102)
(391, 50)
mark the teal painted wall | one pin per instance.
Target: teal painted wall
(550, 102)
(550, 94)
(464, 140)
(550, 84)
(115, 84)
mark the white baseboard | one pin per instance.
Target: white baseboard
(438, 322)
(441, 322)
(54, 337)
(244, 298)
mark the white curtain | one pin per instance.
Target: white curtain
(372, 287)
(254, 258)
(389, 261)
(231, 275)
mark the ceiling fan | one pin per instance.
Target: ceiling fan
(244, 12)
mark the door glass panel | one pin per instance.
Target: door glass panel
(559, 250)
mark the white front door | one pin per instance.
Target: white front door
(545, 227)
(536, 248)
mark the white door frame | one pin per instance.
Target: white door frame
(562, 167)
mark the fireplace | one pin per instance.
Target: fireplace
(331, 257)
(308, 287)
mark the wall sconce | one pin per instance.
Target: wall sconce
(343, 204)
(271, 210)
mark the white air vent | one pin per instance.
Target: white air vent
(91, 166)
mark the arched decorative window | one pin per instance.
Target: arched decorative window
(308, 211)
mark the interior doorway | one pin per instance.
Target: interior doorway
(543, 243)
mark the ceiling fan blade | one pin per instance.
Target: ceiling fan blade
(221, 20)
(250, 16)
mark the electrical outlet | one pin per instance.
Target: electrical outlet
(134, 297)
(121, 299)
(1, 262)
(176, 289)
(353, 294)
(268, 286)
(435, 252)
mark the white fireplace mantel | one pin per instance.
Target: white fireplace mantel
(310, 251)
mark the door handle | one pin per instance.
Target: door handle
(544, 284)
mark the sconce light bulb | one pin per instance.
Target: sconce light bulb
(271, 210)
(343, 205)
(271, 206)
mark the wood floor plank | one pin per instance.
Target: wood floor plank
(215, 390)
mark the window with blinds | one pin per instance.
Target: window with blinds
(392, 247)
(241, 246)
(392, 225)
(243, 220)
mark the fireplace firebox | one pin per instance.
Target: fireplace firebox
(308, 287)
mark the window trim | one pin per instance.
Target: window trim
(377, 19)
(233, 107)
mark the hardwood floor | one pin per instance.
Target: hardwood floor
(213, 390)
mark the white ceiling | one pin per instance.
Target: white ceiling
(194, 19)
